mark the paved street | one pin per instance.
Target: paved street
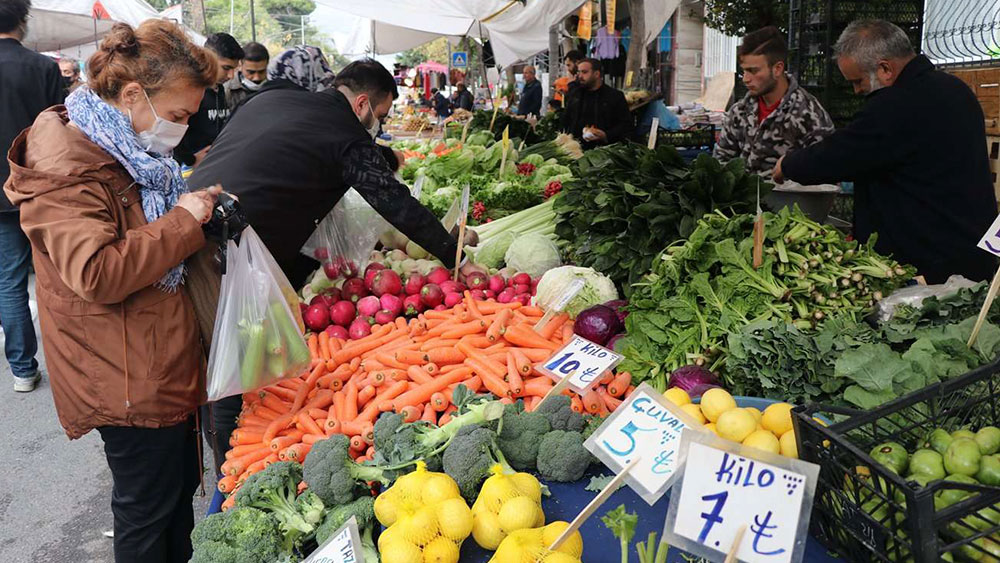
(54, 494)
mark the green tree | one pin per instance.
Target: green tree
(287, 7)
(436, 51)
(738, 17)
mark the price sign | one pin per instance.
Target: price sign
(654, 133)
(728, 488)
(991, 240)
(581, 363)
(645, 425)
(343, 547)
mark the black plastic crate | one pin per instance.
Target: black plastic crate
(697, 137)
(865, 512)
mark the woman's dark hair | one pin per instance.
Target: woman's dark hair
(255, 52)
(13, 14)
(225, 46)
(367, 76)
(155, 54)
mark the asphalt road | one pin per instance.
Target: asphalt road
(55, 494)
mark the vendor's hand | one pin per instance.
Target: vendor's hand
(778, 174)
(200, 156)
(201, 203)
(471, 238)
(400, 159)
(599, 134)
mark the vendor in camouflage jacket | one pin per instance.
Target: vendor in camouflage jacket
(776, 116)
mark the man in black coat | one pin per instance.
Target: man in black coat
(596, 113)
(916, 154)
(531, 95)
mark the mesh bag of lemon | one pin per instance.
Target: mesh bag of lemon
(770, 430)
(426, 519)
(532, 546)
(506, 503)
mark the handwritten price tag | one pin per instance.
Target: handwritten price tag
(727, 488)
(343, 547)
(645, 425)
(991, 240)
(582, 362)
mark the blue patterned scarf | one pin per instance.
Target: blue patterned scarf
(159, 176)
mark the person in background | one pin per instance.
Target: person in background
(776, 115)
(70, 70)
(441, 103)
(915, 153)
(463, 97)
(531, 95)
(596, 113)
(565, 84)
(250, 77)
(214, 112)
(29, 83)
(111, 222)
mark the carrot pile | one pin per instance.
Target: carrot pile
(409, 367)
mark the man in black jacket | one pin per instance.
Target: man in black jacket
(205, 126)
(463, 98)
(596, 113)
(531, 95)
(916, 154)
(29, 83)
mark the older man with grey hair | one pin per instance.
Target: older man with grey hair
(915, 152)
(531, 95)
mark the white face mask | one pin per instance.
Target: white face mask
(374, 126)
(250, 84)
(163, 136)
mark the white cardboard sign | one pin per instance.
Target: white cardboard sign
(991, 240)
(582, 362)
(726, 486)
(649, 426)
(343, 547)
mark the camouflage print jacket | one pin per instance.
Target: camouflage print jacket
(800, 121)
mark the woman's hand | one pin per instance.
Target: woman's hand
(200, 203)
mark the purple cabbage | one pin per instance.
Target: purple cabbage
(597, 324)
(693, 379)
(619, 306)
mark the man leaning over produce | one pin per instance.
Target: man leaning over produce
(596, 113)
(915, 153)
(776, 115)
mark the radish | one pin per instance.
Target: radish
(321, 299)
(347, 267)
(342, 313)
(439, 276)
(432, 295)
(331, 270)
(317, 317)
(337, 331)
(359, 329)
(370, 278)
(373, 266)
(392, 303)
(449, 286)
(387, 282)
(303, 308)
(368, 306)
(384, 316)
(523, 299)
(520, 288)
(505, 296)
(477, 281)
(441, 307)
(321, 254)
(478, 294)
(522, 278)
(414, 306)
(497, 283)
(490, 294)
(414, 284)
(452, 299)
(353, 290)
(333, 293)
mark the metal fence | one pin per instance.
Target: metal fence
(962, 32)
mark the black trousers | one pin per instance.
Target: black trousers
(218, 422)
(155, 472)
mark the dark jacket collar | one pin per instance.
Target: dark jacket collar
(918, 66)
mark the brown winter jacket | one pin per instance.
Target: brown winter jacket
(120, 352)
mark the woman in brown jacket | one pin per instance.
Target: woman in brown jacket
(111, 222)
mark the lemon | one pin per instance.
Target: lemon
(518, 513)
(513, 551)
(677, 396)
(695, 412)
(439, 487)
(540, 520)
(486, 530)
(763, 440)
(716, 401)
(788, 446)
(441, 550)
(712, 428)
(777, 418)
(421, 527)
(735, 425)
(573, 544)
(386, 509)
(755, 412)
(400, 551)
(497, 490)
(826, 443)
(558, 557)
(455, 519)
(410, 486)
(527, 485)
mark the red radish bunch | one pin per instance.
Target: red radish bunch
(478, 210)
(526, 169)
(552, 188)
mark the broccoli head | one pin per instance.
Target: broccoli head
(310, 507)
(273, 490)
(469, 457)
(239, 535)
(333, 475)
(562, 457)
(560, 414)
(362, 508)
(519, 436)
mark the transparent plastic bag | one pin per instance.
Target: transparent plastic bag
(344, 239)
(914, 295)
(257, 338)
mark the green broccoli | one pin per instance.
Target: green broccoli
(561, 415)
(562, 457)
(363, 509)
(333, 475)
(274, 490)
(310, 507)
(520, 434)
(240, 535)
(469, 457)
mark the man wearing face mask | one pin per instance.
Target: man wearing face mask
(251, 76)
(915, 153)
(70, 70)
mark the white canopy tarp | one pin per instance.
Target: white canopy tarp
(383, 39)
(516, 34)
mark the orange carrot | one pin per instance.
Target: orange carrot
(553, 326)
(370, 342)
(322, 400)
(495, 384)
(538, 386)
(610, 402)
(521, 361)
(592, 401)
(298, 452)
(241, 437)
(491, 307)
(390, 361)
(313, 343)
(283, 442)
(418, 375)
(439, 402)
(275, 404)
(465, 329)
(282, 393)
(620, 383)
(237, 451)
(410, 357)
(567, 333)
(518, 335)
(432, 368)
(471, 304)
(309, 424)
(358, 444)
(350, 401)
(226, 484)
(536, 354)
(292, 383)
(514, 379)
(312, 438)
(264, 412)
(422, 393)
(366, 394)
(238, 465)
(336, 345)
(368, 433)
(576, 404)
(532, 403)
(429, 414)
(401, 324)
(300, 397)
(435, 343)
(499, 325)
(229, 503)
(277, 425)
(445, 356)
(606, 378)
(410, 413)
(477, 341)
(324, 345)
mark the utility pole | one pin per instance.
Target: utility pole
(554, 60)
(232, 13)
(637, 47)
(302, 20)
(253, 24)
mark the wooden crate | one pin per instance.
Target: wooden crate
(993, 150)
(985, 83)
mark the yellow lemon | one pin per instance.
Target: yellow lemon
(421, 527)
(712, 428)
(777, 418)
(558, 557)
(455, 519)
(788, 446)
(400, 551)
(763, 440)
(755, 412)
(486, 530)
(439, 487)
(527, 485)
(695, 412)
(518, 513)
(540, 520)
(677, 396)
(386, 509)
(441, 550)
(573, 544)
(716, 401)
(735, 425)
(826, 443)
